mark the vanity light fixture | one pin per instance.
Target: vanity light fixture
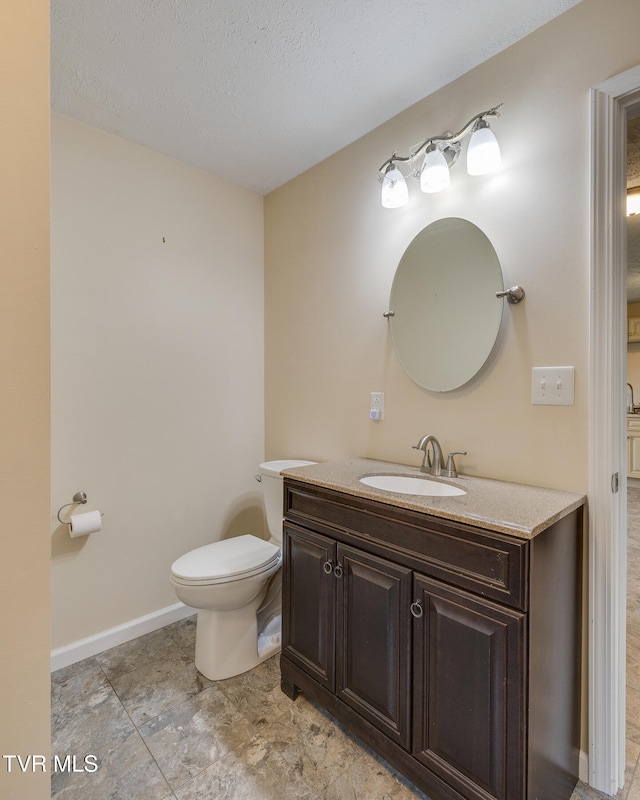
(395, 192)
(440, 154)
(483, 152)
(434, 176)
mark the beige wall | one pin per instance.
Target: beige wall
(24, 399)
(157, 371)
(331, 251)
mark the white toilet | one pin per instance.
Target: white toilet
(239, 621)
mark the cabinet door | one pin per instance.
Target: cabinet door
(469, 722)
(373, 640)
(308, 597)
(633, 439)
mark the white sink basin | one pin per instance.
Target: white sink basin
(406, 484)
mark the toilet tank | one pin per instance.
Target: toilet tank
(272, 492)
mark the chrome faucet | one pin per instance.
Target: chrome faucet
(431, 467)
(436, 467)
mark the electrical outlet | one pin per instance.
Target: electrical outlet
(552, 386)
(376, 406)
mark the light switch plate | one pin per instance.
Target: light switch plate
(552, 386)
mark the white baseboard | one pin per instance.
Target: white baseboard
(583, 767)
(84, 648)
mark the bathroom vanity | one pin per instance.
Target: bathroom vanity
(443, 631)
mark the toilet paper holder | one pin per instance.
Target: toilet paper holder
(79, 498)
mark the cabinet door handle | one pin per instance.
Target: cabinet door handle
(416, 609)
(337, 571)
(328, 567)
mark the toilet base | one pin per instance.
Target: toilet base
(269, 639)
(228, 643)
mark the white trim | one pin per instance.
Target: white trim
(583, 766)
(84, 648)
(607, 432)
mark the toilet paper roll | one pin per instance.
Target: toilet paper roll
(84, 524)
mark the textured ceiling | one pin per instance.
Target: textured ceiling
(257, 91)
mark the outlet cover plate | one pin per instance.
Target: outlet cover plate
(376, 403)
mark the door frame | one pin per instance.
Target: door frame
(607, 431)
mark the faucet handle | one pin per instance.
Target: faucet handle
(450, 470)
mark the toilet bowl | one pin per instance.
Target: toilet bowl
(235, 586)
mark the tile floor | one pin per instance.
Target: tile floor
(160, 730)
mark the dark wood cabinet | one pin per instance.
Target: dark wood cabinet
(438, 644)
(308, 633)
(468, 683)
(373, 640)
(346, 624)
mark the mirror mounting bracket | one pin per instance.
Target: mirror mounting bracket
(514, 295)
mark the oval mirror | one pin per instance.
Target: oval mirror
(446, 315)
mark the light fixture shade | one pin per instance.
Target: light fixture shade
(434, 176)
(483, 153)
(394, 188)
(633, 202)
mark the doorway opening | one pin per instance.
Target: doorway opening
(612, 102)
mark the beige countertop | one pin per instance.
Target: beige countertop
(511, 508)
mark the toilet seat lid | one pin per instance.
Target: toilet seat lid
(226, 559)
